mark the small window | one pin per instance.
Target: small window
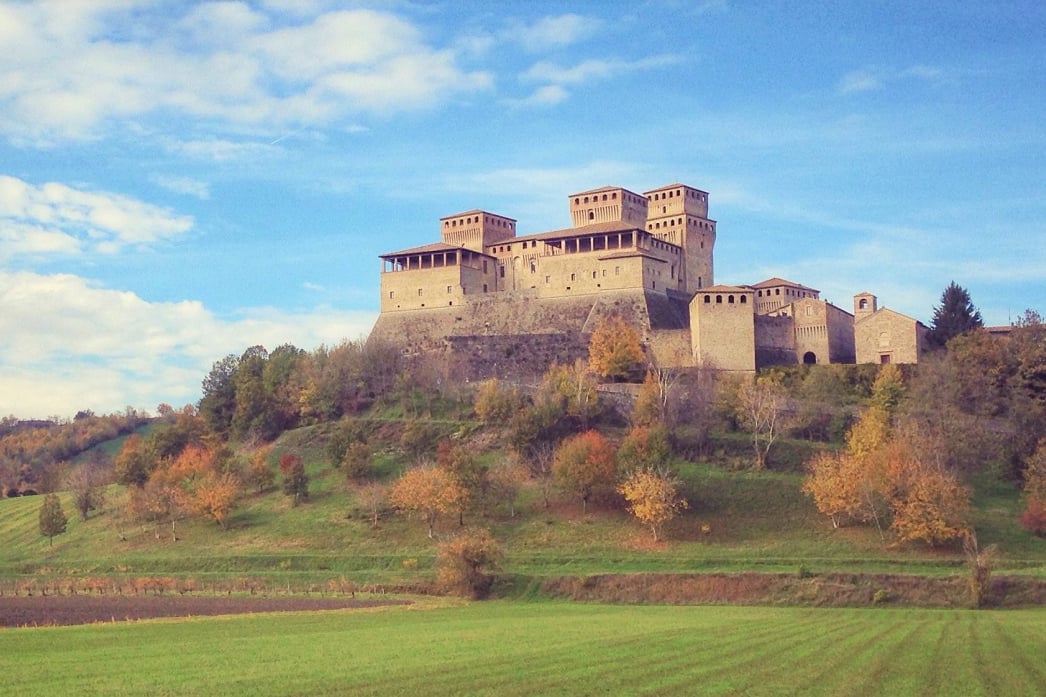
(708, 299)
(548, 280)
(392, 294)
(719, 299)
(744, 300)
(573, 277)
(450, 289)
(730, 299)
(419, 292)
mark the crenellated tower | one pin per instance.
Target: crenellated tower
(679, 214)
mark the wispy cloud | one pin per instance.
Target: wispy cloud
(183, 185)
(553, 32)
(870, 79)
(860, 81)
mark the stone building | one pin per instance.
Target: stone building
(505, 304)
(882, 335)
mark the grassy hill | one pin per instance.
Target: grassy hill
(738, 520)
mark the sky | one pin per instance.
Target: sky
(180, 181)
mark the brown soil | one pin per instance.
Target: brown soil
(36, 610)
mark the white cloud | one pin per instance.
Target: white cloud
(184, 185)
(38, 216)
(594, 69)
(64, 77)
(859, 81)
(543, 96)
(554, 32)
(67, 343)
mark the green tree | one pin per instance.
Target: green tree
(52, 518)
(218, 403)
(87, 484)
(134, 462)
(954, 316)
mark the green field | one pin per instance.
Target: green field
(502, 648)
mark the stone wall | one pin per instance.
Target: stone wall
(888, 337)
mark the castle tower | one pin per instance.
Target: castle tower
(679, 214)
(722, 328)
(864, 305)
(610, 204)
(476, 229)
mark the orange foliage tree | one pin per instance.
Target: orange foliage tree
(583, 463)
(653, 498)
(615, 350)
(214, 496)
(1033, 519)
(430, 491)
(465, 564)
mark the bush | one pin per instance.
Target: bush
(1033, 519)
(464, 565)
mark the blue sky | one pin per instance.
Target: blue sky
(179, 181)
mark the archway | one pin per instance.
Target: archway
(809, 358)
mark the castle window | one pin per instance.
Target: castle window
(533, 267)
(419, 292)
(591, 215)
(392, 294)
(450, 289)
(719, 299)
(863, 304)
(593, 274)
(730, 299)
(573, 277)
(708, 299)
(501, 271)
(548, 280)
(613, 196)
(604, 197)
(617, 270)
(577, 201)
(744, 300)
(484, 266)
(777, 291)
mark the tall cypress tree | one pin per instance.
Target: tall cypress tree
(954, 316)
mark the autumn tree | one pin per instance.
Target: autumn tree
(615, 350)
(761, 405)
(656, 399)
(928, 502)
(295, 481)
(574, 388)
(372, 498)
(644, 448)
(465, 563)
(134, 462)
(429, 491)
(584, 464)
(87, 483)
(52, 518)
(461, 464)
(1033, 518)
(505, 481)
(497, 402)
(260, 474)
(954, 316)
(214, 496)
(653, 497)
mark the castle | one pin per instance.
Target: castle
(506, 305)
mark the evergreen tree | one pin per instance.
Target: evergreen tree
(52, 518)
(954, 316)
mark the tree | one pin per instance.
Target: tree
(87, 484)
(496, 403)
(574, 388)
(427, 490)
(505, 480)
(465, 564)
(295, 481)
(761, 405)
(653, 497)
(928, 503)
(372, 498)
(260, 474)
(134, 462)
(583, 464)
(1033, 519)
(656, 401)
(615, 350)
(356, 461)
(214, 495)
(459, 462)
(218, 403)
(52, 518)
(954, 316)
(644, 448)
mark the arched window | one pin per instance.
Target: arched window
(719, 299)
(744, 300)
(863, 304)
(809, 358)
(708, 299)
(730, 299)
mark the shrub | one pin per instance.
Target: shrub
(1033, 519)
(465, 564)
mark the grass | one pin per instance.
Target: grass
(738, 520)
(510, 649)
